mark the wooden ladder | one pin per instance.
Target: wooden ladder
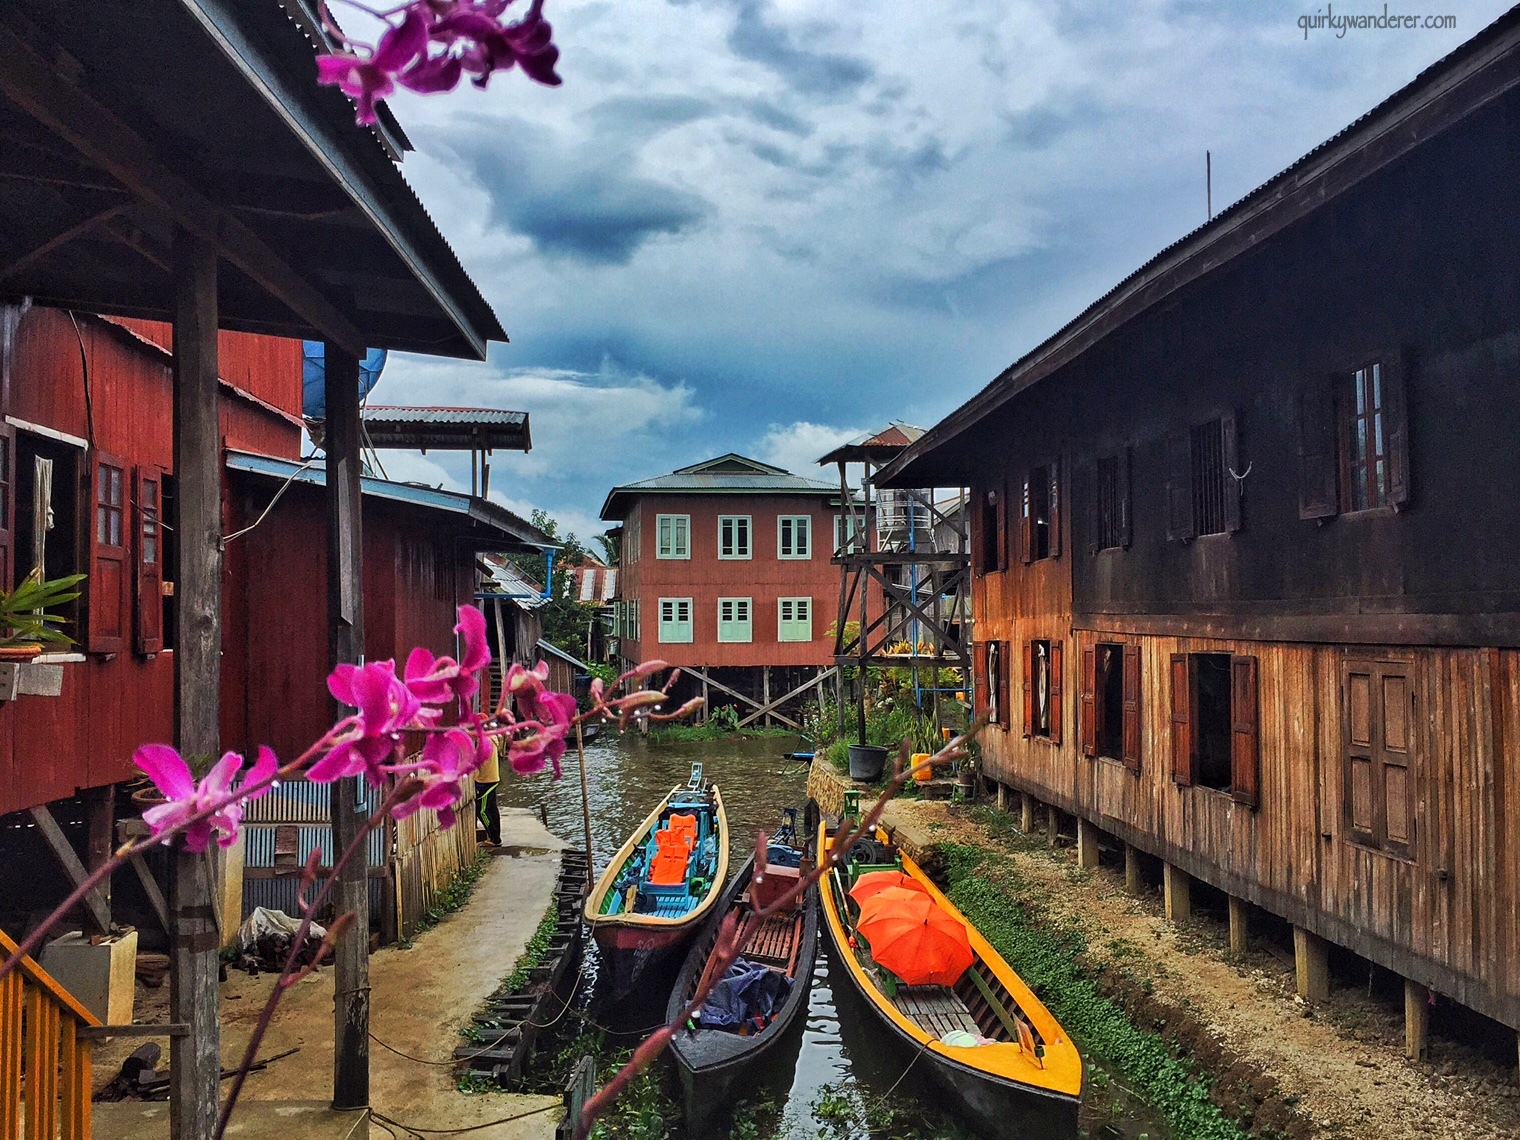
(40, 1025)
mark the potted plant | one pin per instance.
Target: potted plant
(26, 626)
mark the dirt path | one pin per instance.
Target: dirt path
(1342, 1065)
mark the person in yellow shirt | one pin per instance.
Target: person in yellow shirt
(487, 812)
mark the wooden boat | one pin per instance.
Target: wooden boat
(661, 885)
(1027, 1082)
(715, 1063)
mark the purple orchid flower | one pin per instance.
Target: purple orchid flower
(214, 793)
(367, 80)
(386, 707)
(448, 758)
(540, 746)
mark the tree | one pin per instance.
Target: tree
(565, 620)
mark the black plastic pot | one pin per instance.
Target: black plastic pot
(867, 761)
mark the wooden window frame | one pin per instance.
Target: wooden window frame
(1047, 477)
(1055, 696)
(802, 532)
(148, 586)
(108, 588)
(1117, 535)
(1376, 754)
(1324, 437)
(7, 506)
(991, 540)
(680, 525)
(794, 625)
(1245, 726)
(1182, 496)
(736, 523)
(674, 623)
(737, 624)
(1093, 715)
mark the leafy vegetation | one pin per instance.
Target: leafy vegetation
(988, 890)
(533, 953)
(457, 893)
(565, 619)
(24, 616)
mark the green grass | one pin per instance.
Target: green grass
(684, 733)
(532, 954)
(989, 891)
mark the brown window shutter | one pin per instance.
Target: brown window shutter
(1396, 424)
(981, 693)
(107, 514)
(1087, 729)
(1182, 720)
(1132, 707)
(1122, 498)
(1245, 733)
(148, 629)
(1001, 562)
(7, 506)
(1003, 682)
(1055, 508)
(1357, 720)
(1179, 486)
(1318, 496)
(1233, 487)
(1057, 692)
(1026, 524)
(1396, 793)
(1028, 688)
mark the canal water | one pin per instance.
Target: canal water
(838, 1077)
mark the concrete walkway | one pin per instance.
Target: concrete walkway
(420, 998)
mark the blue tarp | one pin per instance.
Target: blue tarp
(746, 991)
(314, 377)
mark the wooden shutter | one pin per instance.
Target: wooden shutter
(1003, 681)
(7, 506)
(978, 525)
(1055, 508)
(1233, 487)
(1028, 688)
(1000, 512)
(1182, 720)
(980, 693)
(108, 586)
(1357, 727)
(1318, 462)
(1087, 727)
(148, 629)
(1245, 733)
(1132, 707)
(1057, 691)
(1396, 425)
(1179, 486)
(1121, 496)
(1026, 523)
(1396, 798)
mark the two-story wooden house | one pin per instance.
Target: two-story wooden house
(726, 572)
(1247, 574)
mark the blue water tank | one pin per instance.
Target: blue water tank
(314, 377)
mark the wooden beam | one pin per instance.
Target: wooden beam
(702, 675)
(58, 240)
(1416, 1020)
(1087, 845)
(1240, 925)
(770, 706)
(96, 901)
(150, 888)
(1026, 813)
(345, 638)
(110, 144)
(1134, 882)
(195, 1064)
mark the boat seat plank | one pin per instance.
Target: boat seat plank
(774, 940)
(938, 1010)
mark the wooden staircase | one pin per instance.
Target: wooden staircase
(45, 1079)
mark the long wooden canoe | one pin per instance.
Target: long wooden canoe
(641, 926)
(1024, 1085)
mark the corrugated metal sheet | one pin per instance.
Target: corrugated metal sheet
(259, 844)
(282, 894)
(300, 801)
(387, 413)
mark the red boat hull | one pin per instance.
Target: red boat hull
(632, 954)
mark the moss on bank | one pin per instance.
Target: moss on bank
(684, 733)
(1053, 957)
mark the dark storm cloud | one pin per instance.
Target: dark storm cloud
(810, 72)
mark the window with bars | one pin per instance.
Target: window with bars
(733, 536)
(794, 536)
(1364, 444)
(1111, 502)
(794, 619)
(736, 620)
(675, 620)
(1203, 491)
(672, 536)
(1209, 478)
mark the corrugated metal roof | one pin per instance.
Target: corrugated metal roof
(489, 514)
(403, 414)
(507, 579)
(727, 475)
(555, 651)
(875, 444)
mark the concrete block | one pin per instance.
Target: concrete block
(101, 976)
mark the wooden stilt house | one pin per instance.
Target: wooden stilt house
(1246, 586)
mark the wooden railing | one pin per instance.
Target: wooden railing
(39, 1037)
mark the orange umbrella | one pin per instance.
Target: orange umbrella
(914, 938)
(874, 882)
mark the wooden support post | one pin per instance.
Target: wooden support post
(706, 700)
(1087, 845)
(1052, 825)
(765, 692)
(1002, 796)
(1133, 882)
(97, 902)
(1177, 892)
(1026, 813)
(1311, 958)
(1416, 1020)
(101, 831)
(345, 638)
(1240, 925)
(195, 1062)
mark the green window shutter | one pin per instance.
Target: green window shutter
(735, 620)
(675, 620)
(794, 619)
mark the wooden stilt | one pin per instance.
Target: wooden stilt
(706, 700)
(1087, 845)
(195, 1063)
(1240, 925)
(1002, 796)
(1416, 1020)
(1052, 825)
(1177, 891)
(765, 692)
(1311, 959)
(1026, 813)
(345, 639)
(1133, 882)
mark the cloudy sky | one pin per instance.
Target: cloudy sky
(766, 225)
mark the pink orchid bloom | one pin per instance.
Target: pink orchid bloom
(541, 745)
(214, 794)
(367, 80)
(477, 652)
(474, 34)
(386, 707)
(448, 758)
